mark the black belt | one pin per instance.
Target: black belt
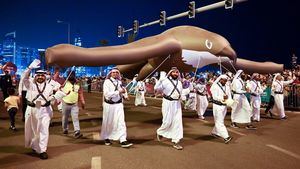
(253, 94)
(278, 92)
(218, 103)
(169, 98)
(234, 92)
(201, 94)
(112, 102)
(31, 104)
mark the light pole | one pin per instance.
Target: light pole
(67, 23)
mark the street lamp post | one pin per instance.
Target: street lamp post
(69, 27)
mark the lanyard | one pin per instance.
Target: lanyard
(175, 87)
(224, 91)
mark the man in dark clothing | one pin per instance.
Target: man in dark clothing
(89, 84)
(5, 83)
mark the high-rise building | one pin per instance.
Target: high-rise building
(294, 60)
(77, 41)
(9, 47)
(24, 56)
(19, 55)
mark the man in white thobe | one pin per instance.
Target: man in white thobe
(277, 91)
(140, 94)
(190, 97)
(171, 127)
(202, 101)
(38, 112)
(255, 100)
(220, 94)
(113, 124)
(241, 110)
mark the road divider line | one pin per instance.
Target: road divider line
(204, 121)
(287, 152)
(155, 107)
(236, 132)
(96, 162)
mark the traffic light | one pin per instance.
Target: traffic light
(135, 26)
(162, 18)
(120, 31)
(228, 4)
(192, 9)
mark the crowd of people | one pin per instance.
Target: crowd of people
(240, 91)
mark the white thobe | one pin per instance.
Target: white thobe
(255, 100)
(202, 101)
(140, 94)
(37, 120)
(113, 124)
(191, 97)
(171, 110)
(277, 86)
(219, 111)
(241, 110)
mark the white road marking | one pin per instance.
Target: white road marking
(204, 121)
(96, 136)
(155, 107)
(153, 98)
(236, 132)
(96, 162)
(284, 151)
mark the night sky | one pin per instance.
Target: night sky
(260, 30)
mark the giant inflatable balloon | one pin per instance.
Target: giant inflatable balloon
(186, 47)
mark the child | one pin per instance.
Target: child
(11, 104)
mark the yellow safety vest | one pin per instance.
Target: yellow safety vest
(72, 97)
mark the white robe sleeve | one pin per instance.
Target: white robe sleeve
(158, 86)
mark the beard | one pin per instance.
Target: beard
(174, 77)
(39, 80)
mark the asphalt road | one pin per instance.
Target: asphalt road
(275, 144)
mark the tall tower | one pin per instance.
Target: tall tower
(9, 47)
(294, 60)
(80, 71)
(77, 40)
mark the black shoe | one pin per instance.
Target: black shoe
(215, 135)
(234, 125)
(44, 156)
(77, 135)
(250, 127)
(284, 118)
(65, 132)
(271, 115)
(126, 144)
(33, 150)
(107, 142)
(13, 128)
(227, 140)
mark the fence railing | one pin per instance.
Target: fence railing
(292, 96)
